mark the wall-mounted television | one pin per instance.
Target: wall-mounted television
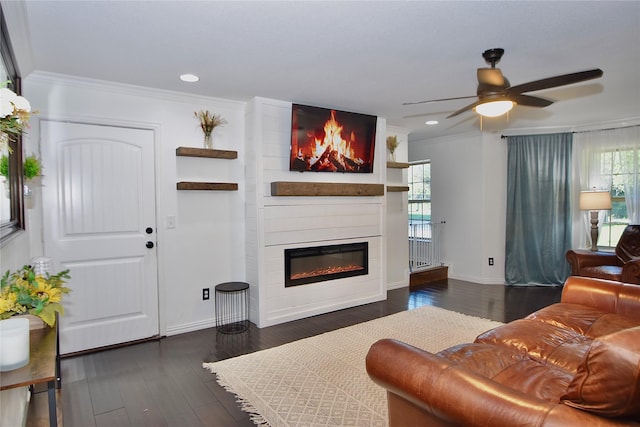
(326, 140)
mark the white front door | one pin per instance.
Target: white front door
(99, 221)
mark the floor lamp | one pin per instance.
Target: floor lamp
(594, 201)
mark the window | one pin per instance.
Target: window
(609, 159)
(616, 168)
(420, 193)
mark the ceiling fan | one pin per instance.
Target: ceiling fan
(495, 92)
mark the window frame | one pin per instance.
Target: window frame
(16, 223)
(608, 238)
(411, 182)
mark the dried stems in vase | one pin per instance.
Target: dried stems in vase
(208, 122)
(392, 144)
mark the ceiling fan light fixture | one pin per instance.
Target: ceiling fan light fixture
(494, 108)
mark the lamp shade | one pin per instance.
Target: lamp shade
(494, 108)
(595, 200)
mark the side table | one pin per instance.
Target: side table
(232, 307)
(43, 367)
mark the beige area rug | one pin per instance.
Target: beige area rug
(322, 380)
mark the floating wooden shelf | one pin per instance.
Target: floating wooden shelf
(207, 186)
(283, 188)
(397, 165)
(397, 188)
(206, 152)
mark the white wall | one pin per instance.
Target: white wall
(207, 245)
(468, 191)
(397, 216)
(16, 253)
(494, 209)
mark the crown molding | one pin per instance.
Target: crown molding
(594, 126)
(48, 78)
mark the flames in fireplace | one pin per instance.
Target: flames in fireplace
(321, 263)
(326, 271)
(330, 151)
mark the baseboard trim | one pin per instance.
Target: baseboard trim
(191, 327)
(397, 285)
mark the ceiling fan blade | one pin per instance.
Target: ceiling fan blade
(467, 108)
(529, 101)
(438, 100)
(490, 76)
(550, 82)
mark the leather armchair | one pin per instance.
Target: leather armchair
(623, 265)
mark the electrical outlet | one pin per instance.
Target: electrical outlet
(205, 294)
(490, 261)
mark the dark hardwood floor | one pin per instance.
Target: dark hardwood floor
(162, 383)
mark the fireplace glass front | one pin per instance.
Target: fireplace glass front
(320, 263)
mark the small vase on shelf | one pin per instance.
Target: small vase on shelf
(208, 122)
(208, 141)
(392, 156)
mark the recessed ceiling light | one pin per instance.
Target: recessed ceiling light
(431, 122)
(191, 78)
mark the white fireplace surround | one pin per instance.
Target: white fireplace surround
(276, 223)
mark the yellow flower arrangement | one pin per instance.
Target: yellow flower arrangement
(24, 292)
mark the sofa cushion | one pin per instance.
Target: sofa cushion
(511, 368)
(541, 341)
(588, 321)
(608, 379)
(577, 317)
(485, 359)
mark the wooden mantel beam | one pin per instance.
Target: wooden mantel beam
(286, 188)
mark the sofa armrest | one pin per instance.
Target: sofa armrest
(631, 272)
(580, 259)
(448, 394)
(606, 295)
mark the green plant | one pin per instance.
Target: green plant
(4, 166)
(31, 166)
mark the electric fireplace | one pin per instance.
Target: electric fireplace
(320, 263)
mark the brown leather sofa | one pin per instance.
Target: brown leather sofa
(623, 265)
(574, 363)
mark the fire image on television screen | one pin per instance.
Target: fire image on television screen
(324, 140)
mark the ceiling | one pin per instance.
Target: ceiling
(367, 56)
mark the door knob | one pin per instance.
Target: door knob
(149, 245)
(149, 230)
